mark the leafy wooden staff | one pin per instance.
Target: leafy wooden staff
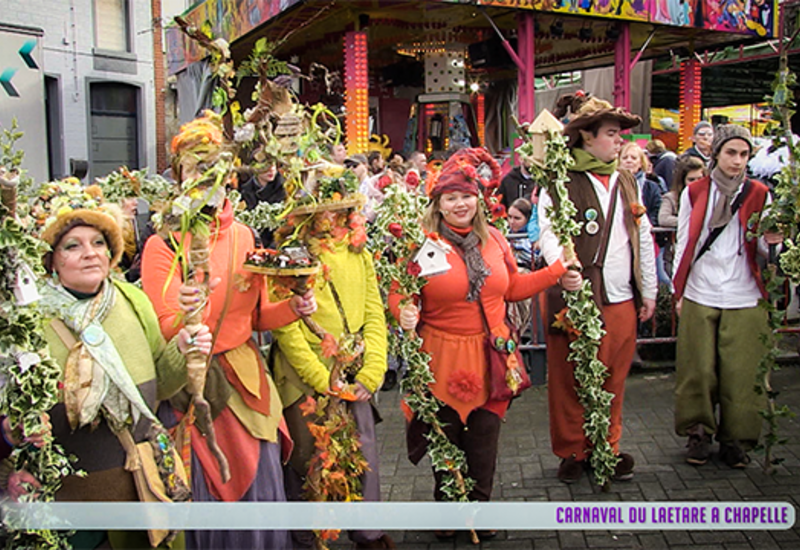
(31, 376)
(398, 224)
(188, 212)
(581, 318)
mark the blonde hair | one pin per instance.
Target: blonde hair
(645, 162)
(433, 218)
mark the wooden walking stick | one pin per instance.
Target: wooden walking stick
(196, 360)
(190, 214)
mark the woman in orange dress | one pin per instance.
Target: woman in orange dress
(448, 317)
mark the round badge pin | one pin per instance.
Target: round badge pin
(592, 227)
(93, 335)
(590, 214)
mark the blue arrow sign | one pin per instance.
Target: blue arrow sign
(5, 81)
(25, 53)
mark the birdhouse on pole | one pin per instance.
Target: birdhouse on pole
(539, 132)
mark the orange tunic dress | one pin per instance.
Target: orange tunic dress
(254, 411)
(452, 329)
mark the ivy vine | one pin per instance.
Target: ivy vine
(30, 377)
(782, 215)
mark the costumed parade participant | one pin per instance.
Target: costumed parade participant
(458, 310)
(718, 284)
(342, 357)
(244, 401)
(616, 250)
(116, 366)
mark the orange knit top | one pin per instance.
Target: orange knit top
(247, 288)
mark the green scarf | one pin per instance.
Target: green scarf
(112, 387)
(586, 162)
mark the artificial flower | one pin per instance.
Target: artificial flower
(396, 229)
(498, 211)
(413, 269)
(562, 322)
(464, 385)
(309, 406)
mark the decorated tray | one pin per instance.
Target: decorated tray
(349, 202)
(291, 262)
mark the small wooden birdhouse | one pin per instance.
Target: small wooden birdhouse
(539, 131)
(25, 291)
(432, 258)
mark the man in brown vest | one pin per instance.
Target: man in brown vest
(718, 284)
(616, 250)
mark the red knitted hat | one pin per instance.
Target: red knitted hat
(464, 172)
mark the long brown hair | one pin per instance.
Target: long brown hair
(685, 165)
(433, 218)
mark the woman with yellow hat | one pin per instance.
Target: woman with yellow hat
(116, 365)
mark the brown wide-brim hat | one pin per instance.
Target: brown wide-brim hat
(106, 223)
(587, 111)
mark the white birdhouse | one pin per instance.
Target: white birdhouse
(539, 133)
(432, 257)
(25, 291)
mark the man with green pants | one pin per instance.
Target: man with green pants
(718, 285)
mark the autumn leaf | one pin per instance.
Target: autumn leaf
(329, 346)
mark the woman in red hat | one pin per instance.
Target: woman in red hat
(449, 315)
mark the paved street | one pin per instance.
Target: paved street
(527, 472)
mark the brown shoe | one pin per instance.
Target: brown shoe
(623, 471)
(570, 470)
(733, 455)
(698, 447)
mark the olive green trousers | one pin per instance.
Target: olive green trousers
(717, 359)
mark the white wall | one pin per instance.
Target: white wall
(67, 46)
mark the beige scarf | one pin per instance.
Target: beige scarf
(727, 186)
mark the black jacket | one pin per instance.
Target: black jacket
(515, 186)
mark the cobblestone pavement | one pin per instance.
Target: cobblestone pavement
(527, 472)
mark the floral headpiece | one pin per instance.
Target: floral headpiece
(202, 139)
(63, 203)
(470, 171)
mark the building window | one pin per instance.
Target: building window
(112, 25)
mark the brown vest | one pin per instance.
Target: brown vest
(591, 248)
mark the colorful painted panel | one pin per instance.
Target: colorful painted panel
(228, 19)
(636, 10)
(756, 17)
(746, 16)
